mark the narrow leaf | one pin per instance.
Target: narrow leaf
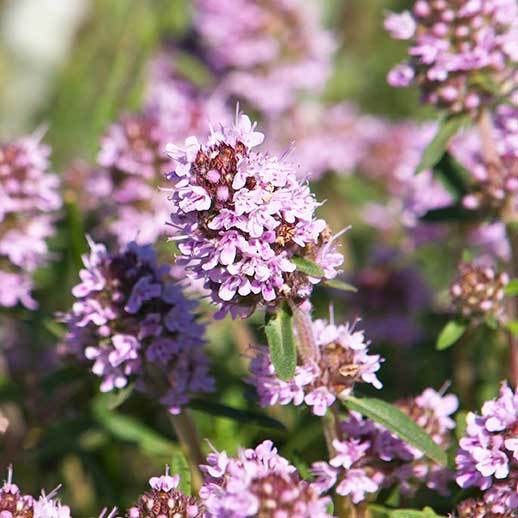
(513, 327)
(340, 285)
(398, 423)
(450, 213)
(511, 290)
(279, 332)
(427, 512)
(452, 175)
(437, 147)
(308, 267)
(180, 466)
(237, 414)
(450, 333)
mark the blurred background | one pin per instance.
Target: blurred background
(72, 67)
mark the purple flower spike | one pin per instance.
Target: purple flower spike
(134, 323)
(343, 361)
(258, 482)
(29, 198)
(241, 217)
(488, 453)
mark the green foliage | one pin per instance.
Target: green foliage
(450, 334)
(180, 466)
(511, 290)
(340, 285)
(308, 267)
(279, 333)
(399, 423)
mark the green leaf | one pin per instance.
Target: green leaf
(279, 332)
(450, 333)
(427, 512)
(453, 176)
(437, 147)
(308, 267)
(340, 285)
(237, 414)
(115, 399)
(511, 290)
(513, 327)
(398, 423)
(180, 466)
(451, 213)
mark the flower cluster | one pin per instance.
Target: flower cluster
(462, 53)
(496, 178)
(368, 457)
(488, 453)
(343, 361)
(258, 482)
(266, 51)
(241, 217)
(478, 291)
(28, 198)
(133, 322)
(324, 138)
(132, 156)
(14, 504)
(165, 500)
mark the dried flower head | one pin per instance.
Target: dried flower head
(29, 198)
(258, 482)
(134, 323)
(165, 500)
(478, 291)
(241, 217)
(462, 54)
(342, 361)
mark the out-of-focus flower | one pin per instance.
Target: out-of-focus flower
(241, 216)
(165, 500)
(258, 482)
(492, 240)
(268, 52)
(488, 453)
(132, 157)
(134, 323)
(368, 457)
(496, 181)
(382, 281)
(342, 361)
(324, 138)
(462, 54)
(478, 291)
(29, 197)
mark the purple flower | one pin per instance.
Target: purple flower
(265, 53)
(29, 199)
(166, 500)
(241, 217)
(343, 361)
(487, 457)
(134, 323)
(454, 48)
(367, 457)
(258, 482)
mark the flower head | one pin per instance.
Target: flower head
(29, 198)
(165, 500)
(368, 457)
(488, 453)
(242, 216)
(134, 323)
(456, 49)
(258, 482)
(343, 361)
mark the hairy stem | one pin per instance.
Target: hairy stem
(306, 342)
(189, 440)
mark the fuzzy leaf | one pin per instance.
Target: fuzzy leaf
(437, 147)
(340, 285)
(511, 290)
(308, 267)
(279, 332)
(398, 423)
(450, 333)
(180, 466)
